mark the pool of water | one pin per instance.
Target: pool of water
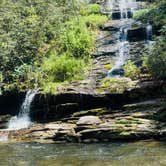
(113, 154)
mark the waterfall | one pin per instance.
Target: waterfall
(123, 53)
(110, 5)
(123, 5)
(149, 33)
(22, 120)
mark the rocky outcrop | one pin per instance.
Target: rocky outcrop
(136, 121)
(137, 33)
(56, 107)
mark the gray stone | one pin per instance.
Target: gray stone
(89, 120)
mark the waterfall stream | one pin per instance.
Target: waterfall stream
(122, 54)
(125, 6)
(149, 33)
(22, 120)
(126, 9)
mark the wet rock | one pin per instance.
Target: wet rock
(145, 104)
(51, 132)
(118, 15)
(64, 104)
(121, 130)
(145, 89)
(4, 119)
(137, 33)
(93, 112)
(10, 102)
(89, 120)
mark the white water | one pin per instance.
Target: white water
(3, 138)
(123, 53)
(149, 33)
(110, 4)
(23, 120)
(125, 6)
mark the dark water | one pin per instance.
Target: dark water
(112, 154)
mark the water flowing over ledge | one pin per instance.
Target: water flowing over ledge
(22, 120)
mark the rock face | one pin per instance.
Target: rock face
(137, 33)
(56, 107)
(4, 121)
(138, 121)
(10, 102)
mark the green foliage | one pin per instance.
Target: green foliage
(51, 87)
(90, 9)
(25, 29)
(30, 31)
(140, 13)
(155, 60)
(63, 68)
(155, 56)
(94, 21)
(76, 39)
(156, 14)
(131, 70)
(93, 9)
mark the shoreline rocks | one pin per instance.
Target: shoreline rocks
(138, 121)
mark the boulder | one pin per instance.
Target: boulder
(89, 120)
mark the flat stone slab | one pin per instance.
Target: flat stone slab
(89, 120)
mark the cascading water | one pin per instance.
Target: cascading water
(126, 7)
(110, 5)
(123, 5)
(149, 33)
(23, 119)
(122, 54)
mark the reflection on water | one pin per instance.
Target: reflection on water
(113, 154)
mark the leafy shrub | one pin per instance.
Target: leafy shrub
(90, 9)
(156, 60)
(131, 70)
(63, 68)
(76, 39)
(140, 13)
(94, 20)
(156, 14)
(93, 9)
